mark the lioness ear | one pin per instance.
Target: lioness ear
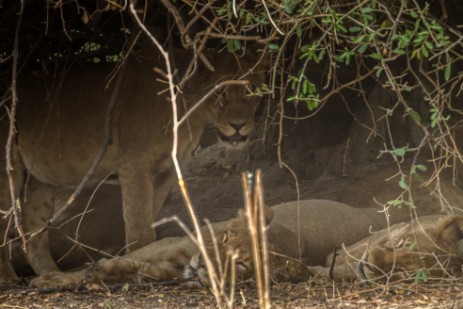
(268, 215)
(260, 63)
(453, 233)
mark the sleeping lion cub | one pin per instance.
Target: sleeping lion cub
(323, 226)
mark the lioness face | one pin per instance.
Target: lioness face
(235, 107)
(430, 244)
(232, 107)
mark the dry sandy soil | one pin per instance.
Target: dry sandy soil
(317, 294)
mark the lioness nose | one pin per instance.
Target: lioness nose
(237, 126)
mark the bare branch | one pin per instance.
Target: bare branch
(12, 131)
(212, 274)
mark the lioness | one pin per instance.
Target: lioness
(61, 127)
(322, 225)
(432, 245)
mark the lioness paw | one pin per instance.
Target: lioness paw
(116, 269)
(58, 281)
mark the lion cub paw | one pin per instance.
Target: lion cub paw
(58, 280)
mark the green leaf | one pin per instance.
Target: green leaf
(291, 5)
(125, 287)
(400, 152)
(312, 104)
(273, 46)
(355, 29)
(377, 56)
(358, 39)
(421, 276)
(292, 98)
(403, 183)
(299, 31)
(395, 203)
(421, 167)
(424, 51)
(233, 45)
(362, 48)
(415, 116)
(340, 27)
(305, 87)
(321, 54)
(366, 10)
(378, 70)
(399, 51)
(448, 71)
(412, 246)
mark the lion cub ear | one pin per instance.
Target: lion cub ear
(224, 237)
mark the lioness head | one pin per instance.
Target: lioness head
(231, 108)
(431, 245)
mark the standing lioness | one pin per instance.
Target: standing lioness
(61, 126)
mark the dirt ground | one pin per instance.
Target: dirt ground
(316, 294)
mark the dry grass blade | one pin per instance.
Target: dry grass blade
(255, 213)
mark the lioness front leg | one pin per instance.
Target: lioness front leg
(143, 195)
(37, 210)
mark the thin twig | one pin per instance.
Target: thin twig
(187, 42)
(12, 132)
(175, 125)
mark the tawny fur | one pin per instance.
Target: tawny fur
(61, 128)
(323, 226)
(429, 244)
(289, 254)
